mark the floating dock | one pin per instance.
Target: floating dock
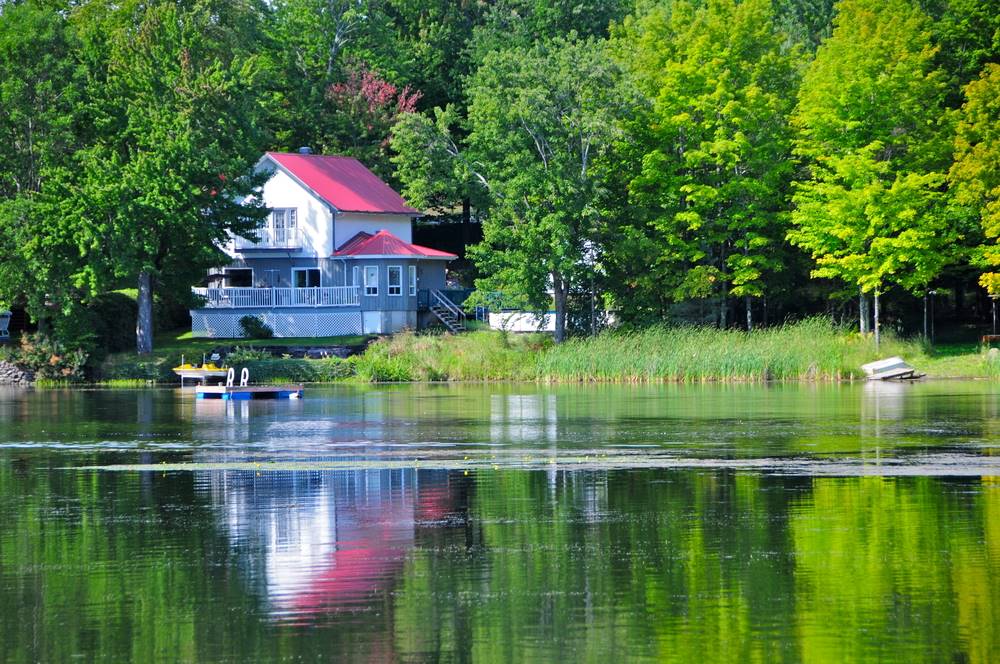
(247, 393)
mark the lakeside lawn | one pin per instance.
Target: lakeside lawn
(813, 349)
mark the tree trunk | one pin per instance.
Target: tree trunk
(926, 329)
(466, 223)
(749, 315)
(863, 312)
(877, 329)
(559, 291)
(144, 321)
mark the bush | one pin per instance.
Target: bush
(255, 328)
(50, 359)
(112, 318)
(242, 355)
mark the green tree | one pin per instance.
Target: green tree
(975, 175)
(873, 137)
(711, 153)
(163, 179)
(539, 118)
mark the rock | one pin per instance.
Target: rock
(11, 374)
(993, 354)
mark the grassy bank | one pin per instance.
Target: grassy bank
(814, 349)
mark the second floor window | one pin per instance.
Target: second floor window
(284, 222)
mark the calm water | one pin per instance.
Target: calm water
(503, 523)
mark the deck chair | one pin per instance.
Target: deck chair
(4, 324)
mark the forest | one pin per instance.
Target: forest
(718, 162)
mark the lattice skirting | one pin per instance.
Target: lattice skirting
(217, 324)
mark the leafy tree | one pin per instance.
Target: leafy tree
(711, 153)
(975, 175)
(538, 120)
(365, 107)
(40, 88)
(164, 177)
(872, 133)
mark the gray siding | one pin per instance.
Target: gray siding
(430, 275)
(331, 269)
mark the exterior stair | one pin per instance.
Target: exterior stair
(449, 313)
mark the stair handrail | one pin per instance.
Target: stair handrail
(448, 304)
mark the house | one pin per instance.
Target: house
(334, 257)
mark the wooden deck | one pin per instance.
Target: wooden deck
(235, 393)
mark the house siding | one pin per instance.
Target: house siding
(315, 219)
(349, 224)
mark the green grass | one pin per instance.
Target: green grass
(813, 349)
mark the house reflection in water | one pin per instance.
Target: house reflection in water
(333, 542)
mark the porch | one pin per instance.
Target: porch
(270, 298)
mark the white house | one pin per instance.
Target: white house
(335, 256)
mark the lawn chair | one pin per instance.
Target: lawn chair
(4, 324)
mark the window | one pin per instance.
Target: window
(371, 280)
(395, 280)
(305, 277)
(283, 224)
(239, 278)
(412, 269)
(355, 280)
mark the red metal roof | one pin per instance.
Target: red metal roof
(343, 182)
(385, 243)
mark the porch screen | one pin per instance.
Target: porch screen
(371, 280)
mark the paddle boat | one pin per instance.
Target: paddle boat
(202, 372)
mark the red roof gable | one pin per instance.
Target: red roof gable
(385, 243)
(343, 182)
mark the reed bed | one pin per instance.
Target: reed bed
(813, 349)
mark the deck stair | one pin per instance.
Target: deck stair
(449, 313)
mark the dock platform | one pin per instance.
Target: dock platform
(247, 393)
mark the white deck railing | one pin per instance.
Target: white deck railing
(329, 296)
(269, 238)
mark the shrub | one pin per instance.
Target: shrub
(243, 355)
(255, 328)
(50, 359)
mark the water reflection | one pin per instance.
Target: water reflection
(325, 542)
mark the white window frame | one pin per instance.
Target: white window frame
(307, 270)
(355, 276)
(388, 281)
(290, 220)
(411, 274)
(373, 288)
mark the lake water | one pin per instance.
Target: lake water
(507, 523)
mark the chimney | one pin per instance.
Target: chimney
(305, 149)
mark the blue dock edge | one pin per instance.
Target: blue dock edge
(252, 396)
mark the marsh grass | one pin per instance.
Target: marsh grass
(813, 349)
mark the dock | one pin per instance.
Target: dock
(893, 368)
(247, 393)
(244, 391)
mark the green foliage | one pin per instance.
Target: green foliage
(872, 212)
(707, 156)
(50, 359)
(254, 328)
(276, 370)
(244, 354)
(539, 118)
(975, 174)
